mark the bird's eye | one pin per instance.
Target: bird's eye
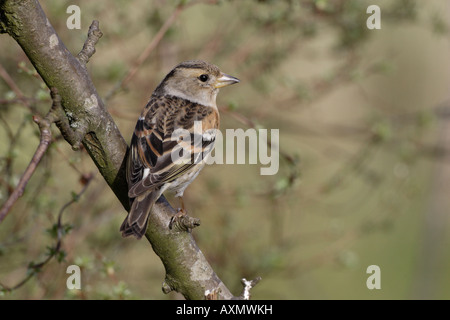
(203, 78)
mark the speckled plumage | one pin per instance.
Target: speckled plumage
(181, 99)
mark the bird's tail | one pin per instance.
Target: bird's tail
(136, 221)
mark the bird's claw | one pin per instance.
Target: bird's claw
(182, 222)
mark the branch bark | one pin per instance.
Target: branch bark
(26, 22)
(187, 270)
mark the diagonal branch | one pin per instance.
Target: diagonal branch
(187, 270)
(26, 22)
(153, 44)
(10, 82)
(45, 140)
(146, 53)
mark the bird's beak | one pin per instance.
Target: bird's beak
(225, 80)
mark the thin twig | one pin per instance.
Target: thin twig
(46, 137)
(238, 116)
(10, 82)
(27, 102)
(34, 268)
(146, 53)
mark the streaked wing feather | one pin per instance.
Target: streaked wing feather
(153, 142)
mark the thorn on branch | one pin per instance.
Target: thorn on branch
(94, 34)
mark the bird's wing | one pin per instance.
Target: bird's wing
(168, 127)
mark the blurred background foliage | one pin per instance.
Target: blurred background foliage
(364, 132)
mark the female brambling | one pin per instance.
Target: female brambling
(183, 100)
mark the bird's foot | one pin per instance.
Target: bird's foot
(182, 222)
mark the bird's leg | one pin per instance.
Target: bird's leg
(181, 213)
(182, 210)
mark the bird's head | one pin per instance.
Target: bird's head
(196, 81)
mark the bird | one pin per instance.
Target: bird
(184, 101)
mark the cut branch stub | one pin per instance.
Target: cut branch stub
(248, 285)
(94, 34)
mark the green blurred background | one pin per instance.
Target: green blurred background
(364, 150)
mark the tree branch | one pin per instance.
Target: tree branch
(45, 140)
(187, 270)
(94, 34)
(26, 22)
